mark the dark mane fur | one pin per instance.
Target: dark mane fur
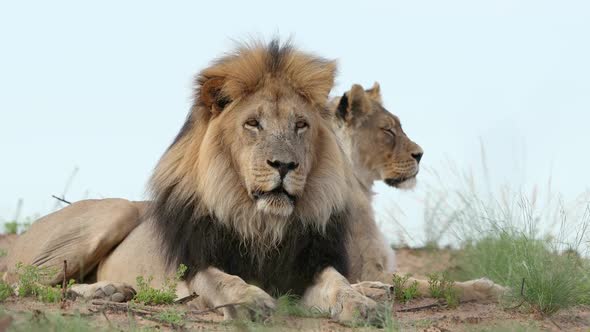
(199, 241)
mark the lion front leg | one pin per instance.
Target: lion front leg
(217, 288)
(332, 293)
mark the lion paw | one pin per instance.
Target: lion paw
(374, 290)
(255, 304)
(353, 306)
(481, 289)
(109, 291)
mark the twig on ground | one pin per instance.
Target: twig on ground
(555, 323)
(144, 310)
(522, 301)
(186, 299)
(61, 199)
(423, 307)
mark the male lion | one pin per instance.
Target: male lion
(254, 195)
(379, 150)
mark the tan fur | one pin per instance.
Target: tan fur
(82, 233)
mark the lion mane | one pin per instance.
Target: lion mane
(200, 208)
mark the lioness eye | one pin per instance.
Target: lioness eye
(389, 132)
(300, 124)
(252, 123)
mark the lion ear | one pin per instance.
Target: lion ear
(211, 94)
(375, 93)
(354, 105)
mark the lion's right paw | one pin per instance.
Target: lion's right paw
(104, 290)
(255, 304)
(352, 307)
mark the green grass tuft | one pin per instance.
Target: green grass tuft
(403, 292)
(552, 280)
(171, 316)
(152, 296)
(440, 286)
(5, 291)
(31, 283)
(11, 227)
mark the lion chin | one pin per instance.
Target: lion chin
(404, 183)
(276, 202)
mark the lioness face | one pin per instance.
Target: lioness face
(273, 148)
(381, 149)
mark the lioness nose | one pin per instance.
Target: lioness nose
(282, 167)
(417, 156)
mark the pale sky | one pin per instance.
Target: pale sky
(105, 86)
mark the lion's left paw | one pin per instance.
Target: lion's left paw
(481, 289)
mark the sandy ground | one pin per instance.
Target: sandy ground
(419, 262)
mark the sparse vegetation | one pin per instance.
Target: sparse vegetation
(404, 292)
(508, 236)
(148, 295)
(42, 322)
(440, 286)
(5, 291)
(31, 283)
(11, 227)
(535, 272)
(171, 316)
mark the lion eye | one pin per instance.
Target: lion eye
(252, 123)
(301, 125)
(389, 132)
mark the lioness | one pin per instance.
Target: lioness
(380, 150)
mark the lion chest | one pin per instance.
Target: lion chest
(288, 267)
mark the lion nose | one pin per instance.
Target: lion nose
(417, 156)
(282, 167)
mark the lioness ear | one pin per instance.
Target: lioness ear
(375, 93)
(354, 105)
(211, 95)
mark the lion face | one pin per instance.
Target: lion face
(379, 148)
(272, 147)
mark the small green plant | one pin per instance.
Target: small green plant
(5, 291)
(11, 227)
(171, 316)
(166, 295)
(31, 283)
(403, 292)
(440, 286)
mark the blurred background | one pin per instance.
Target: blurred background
(496, 92)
